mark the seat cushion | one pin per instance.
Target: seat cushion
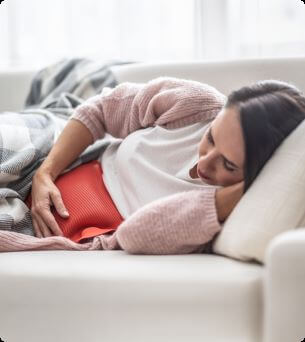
(115, 296)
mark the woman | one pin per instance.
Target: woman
(240, 135)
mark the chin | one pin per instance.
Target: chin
(217, 183)
(209, 181)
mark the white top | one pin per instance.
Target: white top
(151, 163)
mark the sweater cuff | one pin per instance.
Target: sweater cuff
(106, 242)
(82, 115)
(209, 200)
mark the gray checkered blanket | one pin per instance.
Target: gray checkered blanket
(27, 136)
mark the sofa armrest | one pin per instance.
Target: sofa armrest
(14, 87)
(284, 284)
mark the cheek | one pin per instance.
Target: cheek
(221, 176)
(228, 178)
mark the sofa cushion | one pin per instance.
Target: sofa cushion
(274, 203)
(115, 296)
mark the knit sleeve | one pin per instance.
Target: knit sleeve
(164, 101)
(177, 224)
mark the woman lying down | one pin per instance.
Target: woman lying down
(182, 157)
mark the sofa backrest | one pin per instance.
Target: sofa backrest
(224, 75)
(14, 87)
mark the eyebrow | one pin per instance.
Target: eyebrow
(226, 159)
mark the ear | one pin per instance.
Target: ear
(193, 172)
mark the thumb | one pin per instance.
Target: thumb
(59, 205)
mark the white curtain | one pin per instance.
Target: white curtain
(37, 32)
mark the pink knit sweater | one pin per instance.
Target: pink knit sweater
(153, 229)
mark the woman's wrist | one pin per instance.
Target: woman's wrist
(220, 203)
(226, 199)
(45, 170)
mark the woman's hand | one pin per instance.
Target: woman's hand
(72, 141)
(44, 194)
(227, 198)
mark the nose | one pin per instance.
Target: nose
(206, 163)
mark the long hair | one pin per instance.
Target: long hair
(269, 111)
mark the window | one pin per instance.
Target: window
(38, 32)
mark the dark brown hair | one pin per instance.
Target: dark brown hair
(269, 111)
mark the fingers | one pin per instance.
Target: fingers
(44, 223)
(46, 226)
(42, 228)
(59, 204)
(36, 229)
(51, 223)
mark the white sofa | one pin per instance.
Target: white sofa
(112, 296)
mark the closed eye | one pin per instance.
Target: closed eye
(226, 166)
(225, 162)
(210, 138)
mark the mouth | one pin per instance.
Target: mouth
(203, 176)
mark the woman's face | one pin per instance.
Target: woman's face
(221, 151)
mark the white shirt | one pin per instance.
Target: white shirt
(151, 163)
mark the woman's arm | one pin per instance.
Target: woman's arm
(175, 224)
(165, 101)
(72, 141)
(178, 224)
(128, 107)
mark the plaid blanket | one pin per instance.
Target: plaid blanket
(26, 137)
